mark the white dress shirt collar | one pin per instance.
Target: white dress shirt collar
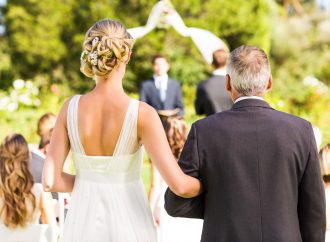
(161, 81)
(219, 72)
(249, 97)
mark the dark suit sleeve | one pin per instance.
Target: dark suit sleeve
(311, 200)
(200, 100)
(189, 162)
(143, 94)
(178, 100)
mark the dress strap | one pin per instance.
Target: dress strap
(127, 142)
(72, 124)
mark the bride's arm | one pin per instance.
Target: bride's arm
(53, 177)
(152, 135)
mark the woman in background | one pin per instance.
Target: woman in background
(324, 157)
(22, 202)
(173, 229)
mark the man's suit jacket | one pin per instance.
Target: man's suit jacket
(260, 173)
(150, 94)
(37, 164)
(212, 97)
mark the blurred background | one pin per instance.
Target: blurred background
(40, 48)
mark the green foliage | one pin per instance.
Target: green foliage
(44, 37)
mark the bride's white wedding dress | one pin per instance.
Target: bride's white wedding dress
(109, 202)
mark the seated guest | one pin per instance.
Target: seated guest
(174, 229)
(22, 202)
(324, 156)
(45, 125)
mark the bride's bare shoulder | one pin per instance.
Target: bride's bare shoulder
(147, 115)
(62, 116)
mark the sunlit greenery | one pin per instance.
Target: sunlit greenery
(43, 45)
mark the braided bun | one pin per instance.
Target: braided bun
(107, 43)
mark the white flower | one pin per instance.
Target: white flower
(36, 102)
(95, 40)
(28, 84)
(35, 91)
(18, 84)
(310, 81)
(83, 54)
(93, 57)
(14, 95)
(25, 99)
(12, 107)
(4, 102)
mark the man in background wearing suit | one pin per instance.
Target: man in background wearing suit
(161, 92)
(259, 167)
(211, 95)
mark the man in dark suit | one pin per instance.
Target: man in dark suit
(161, 92)
(259, 167)
(211, 95)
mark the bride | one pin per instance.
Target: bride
(106, 131)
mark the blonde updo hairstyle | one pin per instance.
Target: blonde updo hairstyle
(107, 43)
(16, 182)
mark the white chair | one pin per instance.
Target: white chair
(61, 206)
(32, 233)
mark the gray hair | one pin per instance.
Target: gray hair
(249, 70)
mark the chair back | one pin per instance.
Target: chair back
(32, 233)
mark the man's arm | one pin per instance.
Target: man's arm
(190, 164)
(200, 100)
(311, 203)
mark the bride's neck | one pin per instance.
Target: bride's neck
(113, 83)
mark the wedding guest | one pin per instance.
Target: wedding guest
(324, 157)
(211, 95)
(161, 92)
(174, 229)
(22, 202)
(38, 156)
(45, 124)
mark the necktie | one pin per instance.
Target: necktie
(162, 88)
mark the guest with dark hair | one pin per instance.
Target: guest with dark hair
(45, 126)
(161, 92)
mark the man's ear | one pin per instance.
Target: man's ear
(228, 84)
(270, 83)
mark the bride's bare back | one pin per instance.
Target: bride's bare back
(100, 120)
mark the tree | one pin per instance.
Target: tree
(44, 37)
